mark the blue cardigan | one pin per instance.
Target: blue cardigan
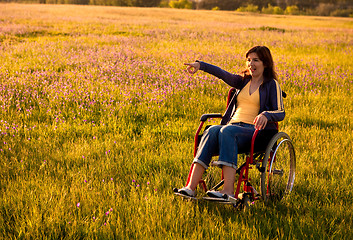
(271, 101)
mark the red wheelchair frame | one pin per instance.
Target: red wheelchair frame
(267, 169)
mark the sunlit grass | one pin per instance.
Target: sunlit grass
(98, 117)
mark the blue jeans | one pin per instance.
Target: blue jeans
(226, 141)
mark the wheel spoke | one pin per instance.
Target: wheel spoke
(278, 180)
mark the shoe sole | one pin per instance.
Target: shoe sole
(185, 196)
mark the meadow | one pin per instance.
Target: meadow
(97, 118)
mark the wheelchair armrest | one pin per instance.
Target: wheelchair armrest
(204, 117)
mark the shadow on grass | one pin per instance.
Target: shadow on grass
(319, 123)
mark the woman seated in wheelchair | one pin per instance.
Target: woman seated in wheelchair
(257, 105)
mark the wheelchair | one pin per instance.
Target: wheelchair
(271, 155)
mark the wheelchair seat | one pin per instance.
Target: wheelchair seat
(261, 141)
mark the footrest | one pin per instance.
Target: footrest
(233, 200)
(218, 200)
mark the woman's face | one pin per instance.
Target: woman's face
(255, 65)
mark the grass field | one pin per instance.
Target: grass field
(97, 117)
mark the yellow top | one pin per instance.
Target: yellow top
(248, 106)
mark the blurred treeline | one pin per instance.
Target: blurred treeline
(341, 8)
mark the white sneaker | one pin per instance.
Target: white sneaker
(187, 192)
(216, 194)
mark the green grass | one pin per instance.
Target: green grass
(98, 115)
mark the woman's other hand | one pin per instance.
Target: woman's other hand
(192, 67)
(260, 122)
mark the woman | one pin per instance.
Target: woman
(257, 105)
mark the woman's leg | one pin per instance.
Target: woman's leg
(207, 148)
(231, 139)
(229, 180)
(226, 140)
(196, 176)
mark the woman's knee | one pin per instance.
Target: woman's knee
(213, 130)
(228, 130)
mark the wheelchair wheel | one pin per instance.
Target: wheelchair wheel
(277, 178)
(213, 178)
